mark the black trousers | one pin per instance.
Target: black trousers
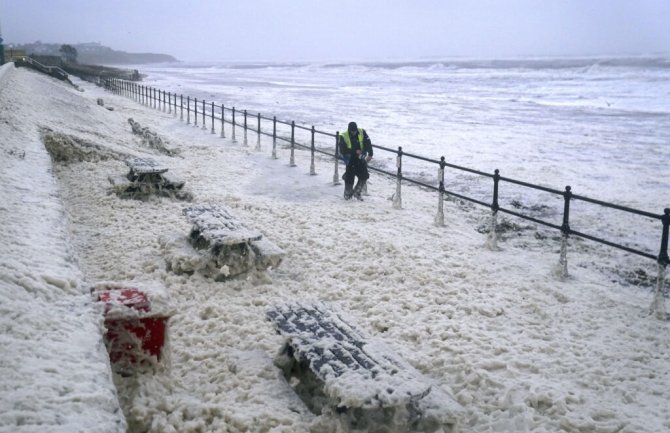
(357, 168)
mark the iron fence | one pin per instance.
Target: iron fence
(223, 115)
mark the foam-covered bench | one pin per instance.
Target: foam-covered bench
(335, 368)
(146, 176)
(220, 246)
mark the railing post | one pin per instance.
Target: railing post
(336, 174)
(223, 122)
(561, 270)
(174, 112)
(155, 105)
(233, 138)
(397, 198)
(213, 131)
(188, 110)
(312, 169)
(169, 95)
(181, 107)
(492, 239)
(195, 112)
(439, 217)
(245, 128)
(204, 110)
(292, 159)
(274, 137)
(658, 304)
(164, 100)
(258, 140)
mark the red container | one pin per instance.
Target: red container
(134, 335)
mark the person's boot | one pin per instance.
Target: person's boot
(357, 190)
(348, 190)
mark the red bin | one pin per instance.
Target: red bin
(134, 335)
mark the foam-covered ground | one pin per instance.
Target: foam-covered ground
(519, 349)
(54, 368)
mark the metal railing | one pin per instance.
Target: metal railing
(54, 71)
(218, 114)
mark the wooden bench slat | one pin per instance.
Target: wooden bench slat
(313, 322)
(140, 165)
(357, 373)
(218, 227)
(340, 355)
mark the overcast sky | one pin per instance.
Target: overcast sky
(345, 29)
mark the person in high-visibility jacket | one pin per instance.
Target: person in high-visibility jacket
(356, 151)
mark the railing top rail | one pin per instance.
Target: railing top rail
(422, 158)
(530, 185)
(617, 206)
(330, 134)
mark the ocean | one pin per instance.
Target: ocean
(600, 125)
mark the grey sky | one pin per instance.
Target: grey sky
(346, 29)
